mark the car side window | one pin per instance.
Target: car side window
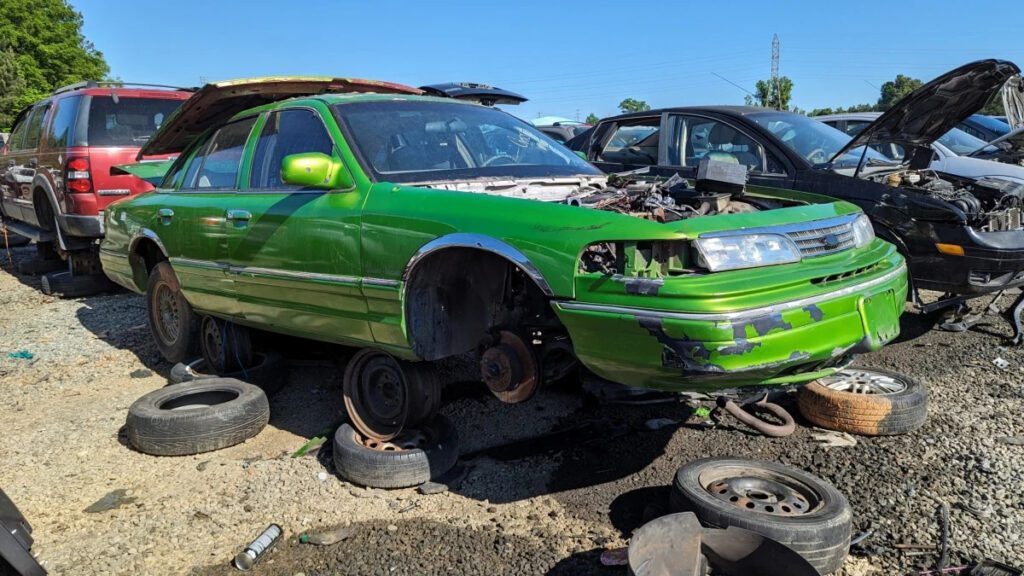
(287, 132)
(35, 128)
(59, 134)
(633, 142)
(695, 138)
(215, 167)
(854, 127)
(18, 134)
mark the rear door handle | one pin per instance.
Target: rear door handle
(239, 215)
(165, 214)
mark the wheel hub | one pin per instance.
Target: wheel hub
(763, 495)
(864, 382)
(168, 313)
(510, 369)
(407, 440)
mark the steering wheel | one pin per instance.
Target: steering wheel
(505, 158)
(819, 152)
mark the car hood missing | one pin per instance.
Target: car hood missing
(219, 101)
(922, 116)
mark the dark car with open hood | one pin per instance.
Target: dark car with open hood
(963, 237)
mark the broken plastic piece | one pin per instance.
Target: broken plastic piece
(327, 537)
(21, 355)
(1001, 363)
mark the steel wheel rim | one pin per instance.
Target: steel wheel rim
(213, 344)
(377, 396)
(866, 382)
(406, 440)
(761, 491)
(168, 315)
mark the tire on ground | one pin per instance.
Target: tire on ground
(866, 414)
(185, 342)
(12, 240)
(268, 371)
(821, 536)
(70, 286)
(196, 417)
(362, 465)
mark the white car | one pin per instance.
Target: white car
(956, 152)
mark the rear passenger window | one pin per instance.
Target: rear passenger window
(59, 134)
(635, 142)
(218, 163)
(35, 128)
(287, 132)
(18, 134)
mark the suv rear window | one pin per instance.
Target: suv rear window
(126, 122)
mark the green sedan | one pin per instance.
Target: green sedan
(423, 228)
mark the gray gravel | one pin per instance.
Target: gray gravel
(535, 509)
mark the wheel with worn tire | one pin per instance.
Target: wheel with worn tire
(413, 457)
(268, 371)
(865, 401)
(197, 417)
(171, 319)
(783, 503)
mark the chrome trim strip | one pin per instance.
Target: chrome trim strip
(738, 315)
(112, 253)
(294, 275)
(205, 264)
(480, 242)
(381, 282)
(786, 228)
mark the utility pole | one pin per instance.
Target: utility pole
(775, 88)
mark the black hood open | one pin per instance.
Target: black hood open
(927, 113)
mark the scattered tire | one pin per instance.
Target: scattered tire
(268, 371)
(783, 503)
(71, 286)
(411, 459)
(172, 322)
(196, 417)
(864, 401)
(12, 240)
(39, 266)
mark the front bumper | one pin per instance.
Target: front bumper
(791, 341)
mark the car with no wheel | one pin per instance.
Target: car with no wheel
(422, 229)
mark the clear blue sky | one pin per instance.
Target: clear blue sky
(566, 56)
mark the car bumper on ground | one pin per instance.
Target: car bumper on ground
(790, 341)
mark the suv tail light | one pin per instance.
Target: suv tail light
(77, 177)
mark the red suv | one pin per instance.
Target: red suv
(55, 177)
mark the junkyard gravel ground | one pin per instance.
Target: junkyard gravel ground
(535, 508)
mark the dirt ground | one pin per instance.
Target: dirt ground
(532, 507)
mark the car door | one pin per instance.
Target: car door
(294, 252)
(627, 144)
(690, 138)
(21, 164)
(193, 217)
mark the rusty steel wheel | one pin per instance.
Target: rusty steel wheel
(413, 457)
(510, 368)
(783, 503)
(171, 319)
(376, 394)
(865, 401)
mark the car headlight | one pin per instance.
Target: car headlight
(863, 232)
(719, 253)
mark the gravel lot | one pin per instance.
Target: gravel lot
(530, 508)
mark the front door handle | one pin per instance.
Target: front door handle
(165, 215)
(239, 215)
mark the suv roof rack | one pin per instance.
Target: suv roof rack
(100, 84)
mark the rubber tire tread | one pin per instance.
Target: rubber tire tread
(68, 285)
(866, 414)
(401, 469)
(181, 432)
(269, 372)
(822, 537)
(188, 342)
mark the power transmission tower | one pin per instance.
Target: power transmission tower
(775, 88)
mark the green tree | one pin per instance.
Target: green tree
(893, 90)
(994, 106)
(592, 118)
(631, 105)
(11, 88)
(49, 49)
(767, 97)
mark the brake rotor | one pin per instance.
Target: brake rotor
(510, 368)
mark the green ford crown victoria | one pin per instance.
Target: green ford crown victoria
(425, 228)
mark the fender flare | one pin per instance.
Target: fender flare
(39, 182)
(146, 233)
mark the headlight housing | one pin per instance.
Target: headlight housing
(734, 252)
(863, 232)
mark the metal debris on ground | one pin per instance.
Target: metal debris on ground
(1000, 363)
(763, 426)
(833, 439)
(430, 488)
(113, 499)
(993, 568)
(944, 527)
(408, 507)
(327, 537)
(141, 373)
(615, 557)
(21, 355)
(252, 553)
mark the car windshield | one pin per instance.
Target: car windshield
(424, 141)
(815, 141)
(126, 121)
(991, 124)
(962, 143)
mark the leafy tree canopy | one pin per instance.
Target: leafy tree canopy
(631, 105)
(766, 96)
(893, 90)
(592, 118)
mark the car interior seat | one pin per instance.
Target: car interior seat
(727, 144)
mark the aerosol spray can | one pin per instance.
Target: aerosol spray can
(247, 558)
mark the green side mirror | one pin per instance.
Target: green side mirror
(315, 170)
(581, 154)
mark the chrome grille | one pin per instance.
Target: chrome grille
(822, 241)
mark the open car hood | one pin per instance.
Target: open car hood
(481, 93)
(927, 113)
(219, 101)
